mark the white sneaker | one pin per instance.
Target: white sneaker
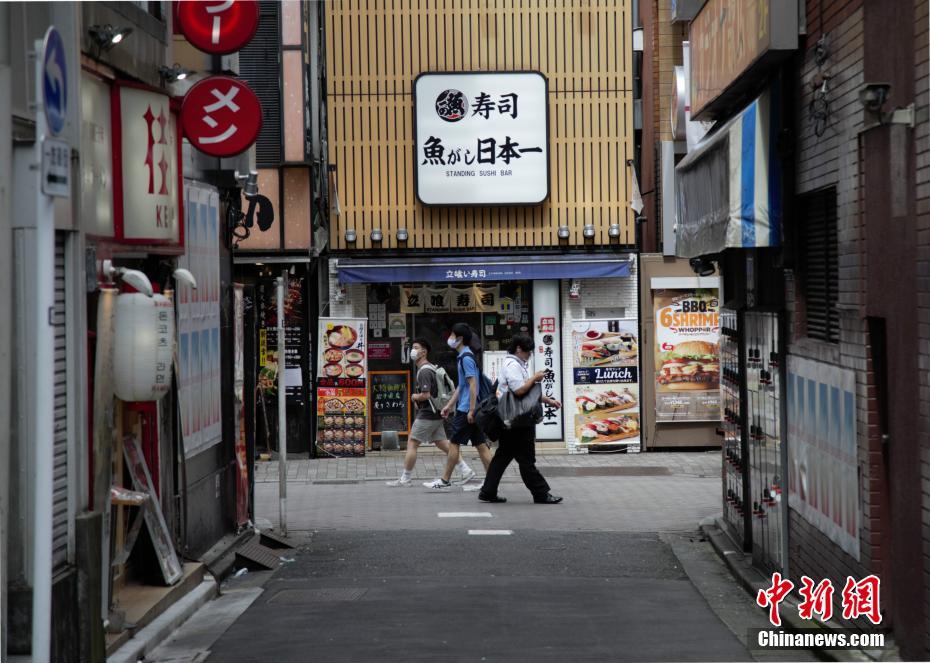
(438, 484)
(467, 476)
(400, 482)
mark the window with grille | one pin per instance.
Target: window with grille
(819, 264)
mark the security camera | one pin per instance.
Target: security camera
(702, 266)
(873, 96)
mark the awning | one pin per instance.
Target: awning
(729, 186)
(448, 269)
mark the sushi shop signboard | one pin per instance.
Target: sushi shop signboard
(606, 377)
(342, 387)
(687, 323)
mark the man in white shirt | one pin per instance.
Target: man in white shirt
(518, 442)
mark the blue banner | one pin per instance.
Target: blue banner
(478, 268)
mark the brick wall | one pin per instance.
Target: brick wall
(595, 294)
(922, 135)
(829, 157)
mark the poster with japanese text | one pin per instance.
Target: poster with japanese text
(606, 376)
(343, 352)
(687, 336)
(547, 334)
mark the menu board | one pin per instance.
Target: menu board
(343, 358)
(389, 406)
(606, 376)
(342, 387)
(341, 421)
(687, 354)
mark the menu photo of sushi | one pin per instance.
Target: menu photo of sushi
(606, 414)
(605, 343)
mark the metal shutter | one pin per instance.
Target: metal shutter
(820, 264)
(60, 505)
(259, 66)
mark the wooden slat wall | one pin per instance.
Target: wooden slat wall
(375, 50)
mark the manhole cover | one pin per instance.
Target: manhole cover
(318, 595)
(642, 471)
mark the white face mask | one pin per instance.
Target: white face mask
(414, 354)
(453, 342)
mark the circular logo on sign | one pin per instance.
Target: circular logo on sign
(218, 27)
(221, 116)
(451, 105)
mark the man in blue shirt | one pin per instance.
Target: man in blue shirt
(463, 403)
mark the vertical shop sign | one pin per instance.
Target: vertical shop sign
(548, 355)
(823, 481)
(146, 147)
(606, 376)
(342, 386)
(293, 336)
(687, 337)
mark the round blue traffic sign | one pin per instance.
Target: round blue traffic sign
(54, 81)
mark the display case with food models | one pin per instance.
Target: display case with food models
(342, 387)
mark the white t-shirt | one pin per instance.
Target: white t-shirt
(514, 373)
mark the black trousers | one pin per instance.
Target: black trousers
(517, 444)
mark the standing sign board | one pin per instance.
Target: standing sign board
(389, 406)
(687, 336)
(606, 375)
(342, 386)
(146, 157)
(482, 138)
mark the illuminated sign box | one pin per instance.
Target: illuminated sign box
(482, 138)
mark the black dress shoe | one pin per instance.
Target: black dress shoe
(548, 499)
(496, 499)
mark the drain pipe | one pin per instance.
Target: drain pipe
(282, 409)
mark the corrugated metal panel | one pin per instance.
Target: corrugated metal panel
(259, 66)
(60, 511)
(376, 48)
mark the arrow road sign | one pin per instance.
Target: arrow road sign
(54, 81)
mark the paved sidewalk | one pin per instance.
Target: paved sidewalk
(386, 465)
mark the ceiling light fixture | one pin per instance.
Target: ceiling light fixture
(376, 235)
(588, 231)
(402, 235)
(564, 232)
(614, 230)
(350, 235)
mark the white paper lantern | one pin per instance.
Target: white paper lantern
(143, 331)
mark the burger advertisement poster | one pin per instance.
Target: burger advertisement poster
(686, 354)
(342, 387)
(606, 377)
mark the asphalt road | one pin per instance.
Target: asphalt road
(402, 595)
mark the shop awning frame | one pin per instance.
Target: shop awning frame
(470, 269)
(729, 187)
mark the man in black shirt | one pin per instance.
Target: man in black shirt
(427, 424)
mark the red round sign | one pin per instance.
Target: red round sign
(218, 26)
(221, 116)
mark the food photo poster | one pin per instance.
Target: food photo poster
(605, 362)
(342, 387)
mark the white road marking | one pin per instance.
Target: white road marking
(464, 514)
(490, 532)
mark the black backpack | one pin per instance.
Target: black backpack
(486, 415)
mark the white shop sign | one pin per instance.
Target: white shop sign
(146, 142)
(482, 138)
(547, 334)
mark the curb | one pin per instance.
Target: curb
(752, 580)
(164, 625)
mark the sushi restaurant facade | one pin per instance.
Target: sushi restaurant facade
(490, 186)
